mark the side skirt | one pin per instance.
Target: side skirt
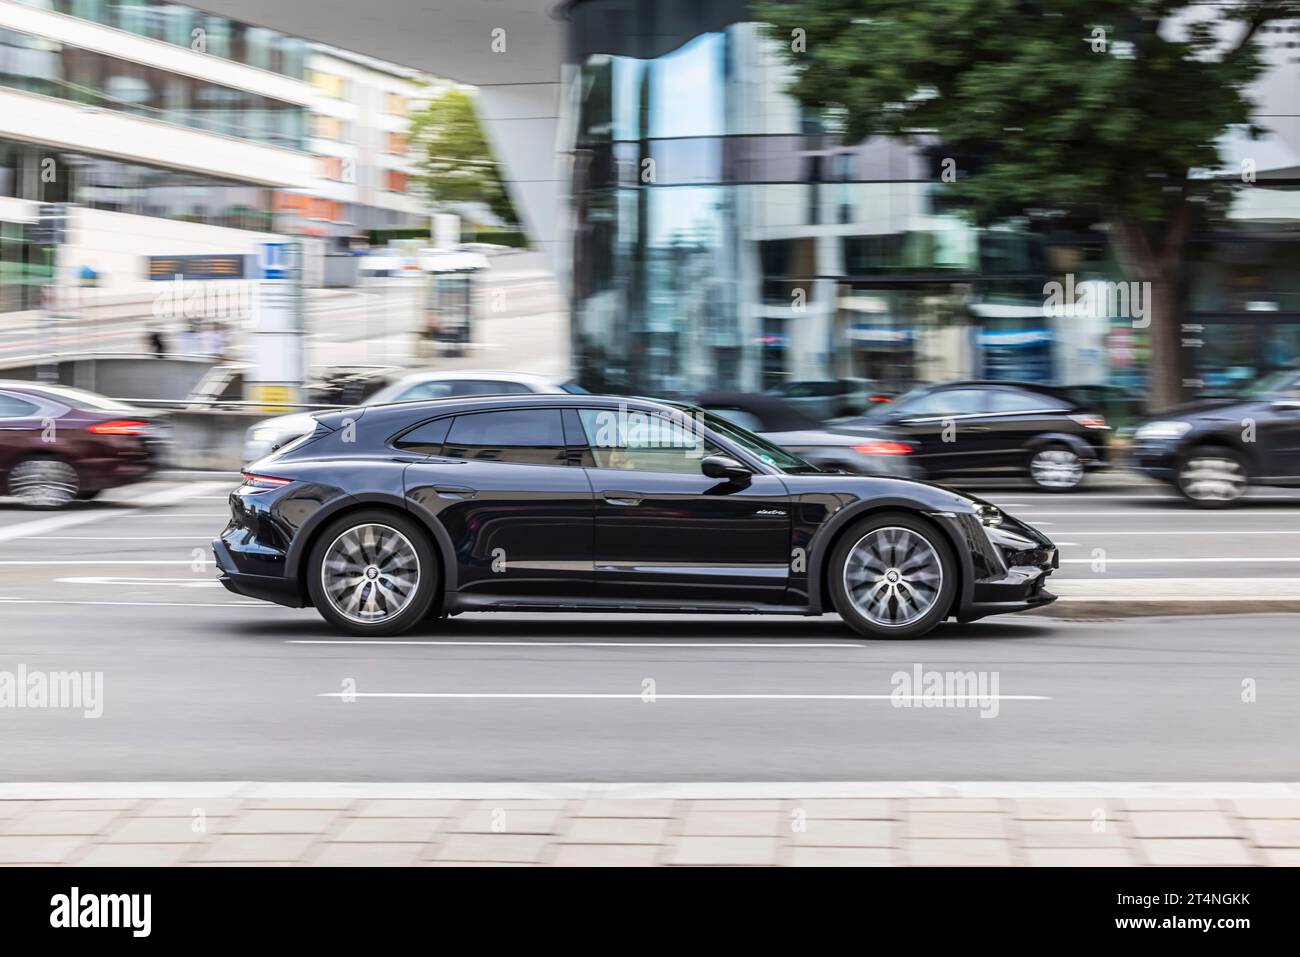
(456, 603)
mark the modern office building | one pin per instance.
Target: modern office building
(169, 129)
(173, 131)
(359, 133)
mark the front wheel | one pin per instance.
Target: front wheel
(893, 576)
(373, 573)
(1056, 468)
(1212, 477)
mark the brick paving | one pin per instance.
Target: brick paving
(636, 832)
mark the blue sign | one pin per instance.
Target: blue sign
(276, 260)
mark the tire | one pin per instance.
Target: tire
(358, 566)
(860, 571)
(43, 483)
(1055, 468)
(88, 496)
(1212, 477)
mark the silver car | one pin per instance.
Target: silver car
(269, 434)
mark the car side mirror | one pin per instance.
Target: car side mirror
(725, 467)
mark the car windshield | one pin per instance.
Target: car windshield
(773, 455)
(1282, 380)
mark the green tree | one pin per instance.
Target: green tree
(455, 162)
(1100, 110)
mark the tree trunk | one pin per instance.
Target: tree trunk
(1165, 368)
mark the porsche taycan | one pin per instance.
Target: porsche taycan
(386, 516)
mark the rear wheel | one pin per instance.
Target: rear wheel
(1056, 468)
(893, 576)
(373, 573)
(43, 483)
(1212, 477)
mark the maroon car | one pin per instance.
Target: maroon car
(58, 444)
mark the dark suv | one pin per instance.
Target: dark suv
(995, 429)
(1211, 449)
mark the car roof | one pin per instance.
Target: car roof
(437, 375)
(560, 400)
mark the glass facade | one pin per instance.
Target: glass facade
(187, 27)
(97, 182)
(724, 238)
(25, 268)
(43, 66)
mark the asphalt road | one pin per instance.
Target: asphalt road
(201, 685)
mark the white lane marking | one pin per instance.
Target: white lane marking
(1173, 561)
(178, 582)
(976, 698)
(1198, 531)
(198, 536)
(685, 790)
(1170, 513)
(152, 499)
(847, 643)
(142, 604)
(101, 561)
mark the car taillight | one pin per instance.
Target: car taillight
(881, 398)
(883, 448)
(1091, 421)
(264, 481)
(120, 427)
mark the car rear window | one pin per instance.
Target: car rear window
(524, 436)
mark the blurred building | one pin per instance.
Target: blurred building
(360, 117)
(175, 132)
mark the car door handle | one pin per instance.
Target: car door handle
(615, 497)
(455, 491)
(977, 428)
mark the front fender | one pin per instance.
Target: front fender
(824, 539)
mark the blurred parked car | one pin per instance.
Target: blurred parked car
(59, 444)
(1211, 449)
(827, 398)
(995, 429)
(781, 423)
(269, 434)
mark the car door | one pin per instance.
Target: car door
(519, 514)
(20, 427)
(664, 530)
(949, 429)
(1278, 427)
(1018, 417)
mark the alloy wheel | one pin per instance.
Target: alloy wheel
(1212, 478)
(370, 573)
(43, 483)
(1056, 468)
(893, 576)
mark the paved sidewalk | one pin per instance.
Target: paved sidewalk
(314, 830)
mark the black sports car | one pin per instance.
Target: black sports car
(387, 515)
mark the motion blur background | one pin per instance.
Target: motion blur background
(639, 200)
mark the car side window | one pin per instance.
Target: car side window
(425, 439)
(640, 441)
(488, 387)
(1005, 400)
(425, 390)
(950, 402)
(523, 436)
(12, 407)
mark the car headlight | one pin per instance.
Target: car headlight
(990, 516)
(263, 435)
(1163, 430)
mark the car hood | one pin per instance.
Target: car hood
(1220, 408)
